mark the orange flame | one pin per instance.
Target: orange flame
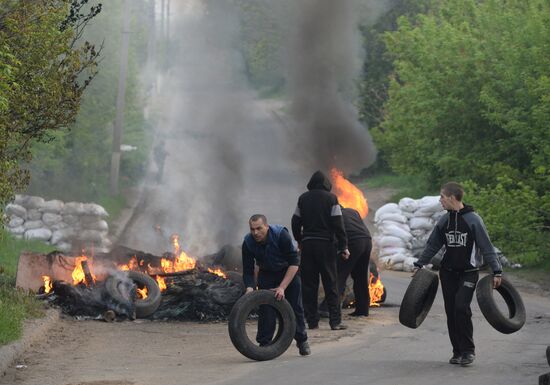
(141, 293)
(175, 243)
(47, 284)
(78, 273)
(161, 283)
(348, 194)
(376, 290)
(218, 271)
(131, 265)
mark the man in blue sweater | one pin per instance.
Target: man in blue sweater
(270, 247)
(463, 234)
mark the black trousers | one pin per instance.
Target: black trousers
(319, 257)
(267, 321)
(358, 266)
(458, 290)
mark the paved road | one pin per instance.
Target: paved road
(376, 350)
(390, 354)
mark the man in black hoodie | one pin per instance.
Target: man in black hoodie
(466, 241)
(315, 223)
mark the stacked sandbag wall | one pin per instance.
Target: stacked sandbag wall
(403, 229)
(68, 226)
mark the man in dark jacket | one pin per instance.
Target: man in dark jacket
(360, 247)
(270, 248)
(466, 241)
(315, 223)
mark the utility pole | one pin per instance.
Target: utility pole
(121, 98)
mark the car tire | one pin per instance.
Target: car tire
(418, 298)
(506, 324)
(144, 307)
(237, 325)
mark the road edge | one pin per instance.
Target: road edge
(33, 330)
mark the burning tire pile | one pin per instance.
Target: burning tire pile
(131, 284)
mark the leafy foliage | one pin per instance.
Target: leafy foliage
(43, 78)
(76, 165)
(469, 100)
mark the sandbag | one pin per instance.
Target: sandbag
(389, 241)
(51, 219)
(34, 215)
(100, 225)
(30, 202)
(91, 235)
(421, 223)
(19, 230)
(16, 221)
(72, 208)
(41, 234)
(408, 204)
(408, 263)
(395, 217)
(62, 235)
(387, 208)
(385, 251)
(94, 209)
(70, 219)
(396, 232)
(29, 225)
(16, 210)
(397, 266)
(54, 206)
(429, 203)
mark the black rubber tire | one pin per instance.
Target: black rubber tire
(144, 307)
(237, 325)
(544, 379)
(236, 278)
(384, 294)
(506, 324)
(418, 298)
(548, 354)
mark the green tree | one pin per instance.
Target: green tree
(469, 98)
(42, 77)
(76, 165)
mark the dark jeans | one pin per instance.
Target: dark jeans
(458, 290)
(358, 266)
(267, 321)
(319, 257)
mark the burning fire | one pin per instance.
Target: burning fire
(131, 265)
(161, 283)
(376, 290)
(141, 293)
(218, 271)
(47, 284)
(348, 194)
(78, 274)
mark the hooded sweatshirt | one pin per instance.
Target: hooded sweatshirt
(466, 242)
(318, 215)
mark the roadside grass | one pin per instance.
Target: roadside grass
(15, 305)
(113, 205)
(405, 186)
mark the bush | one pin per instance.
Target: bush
(514, 218)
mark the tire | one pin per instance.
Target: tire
(544, 379)
(418, 298)
(237, 325)
(383, 298)
(144, 307)
(236, 278)
(548, 354)
(501, 322)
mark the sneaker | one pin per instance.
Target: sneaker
(467, 359)
(338, 327)
(303, 348)
(455, 359)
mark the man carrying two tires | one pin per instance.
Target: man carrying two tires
(466, 241)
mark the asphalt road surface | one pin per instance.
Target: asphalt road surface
(375, 350)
